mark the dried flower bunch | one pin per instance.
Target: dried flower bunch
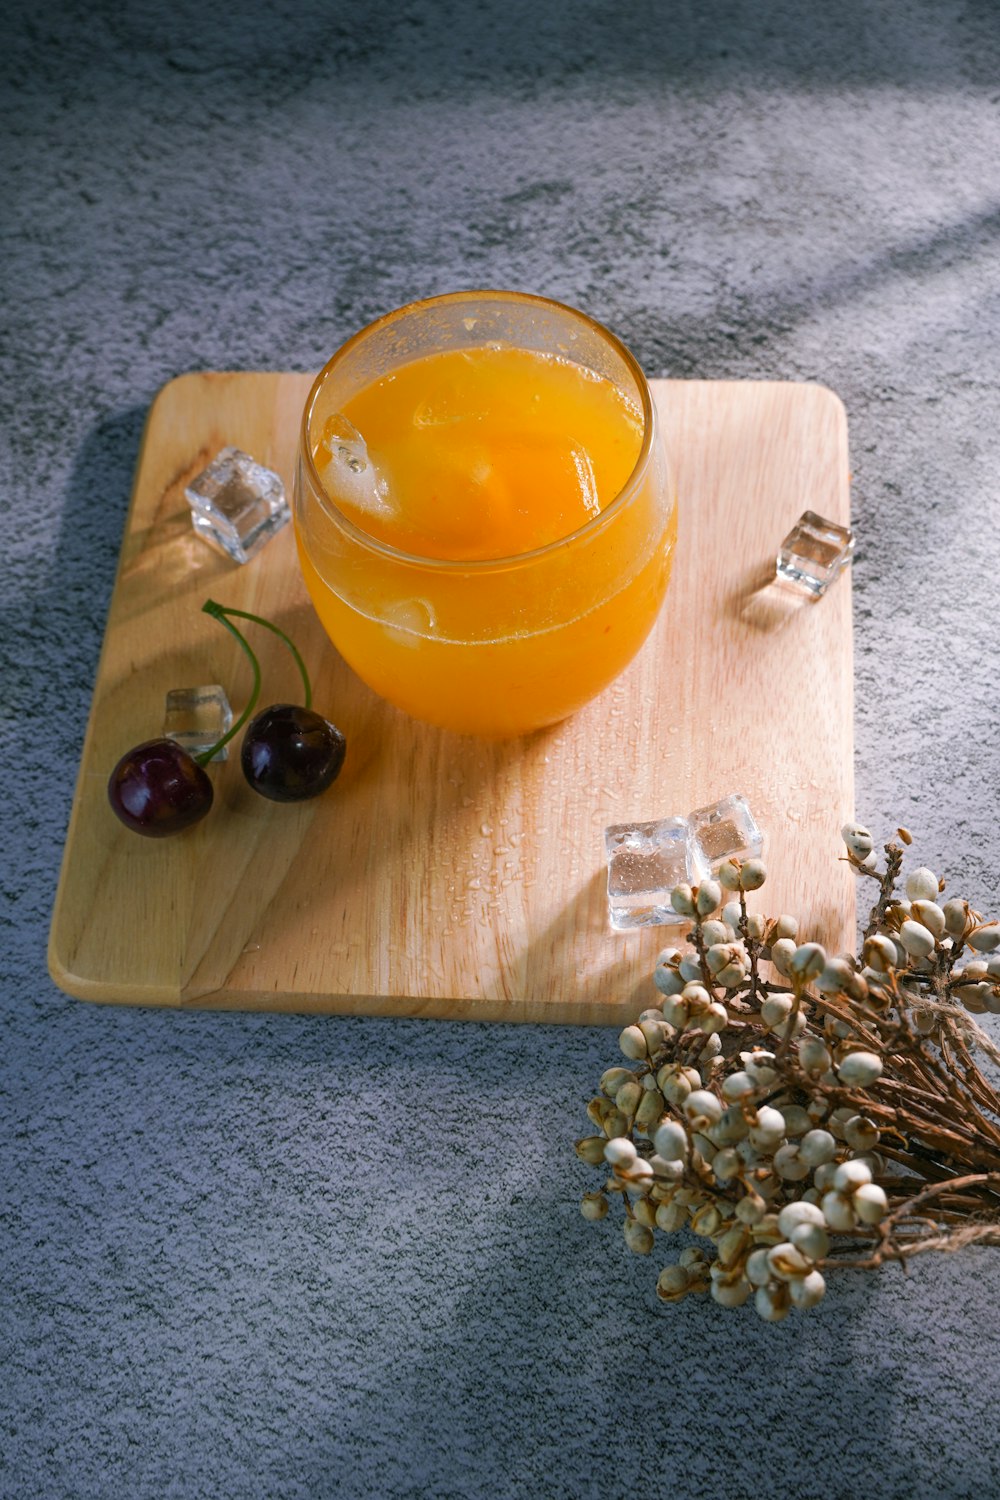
(803, 1113)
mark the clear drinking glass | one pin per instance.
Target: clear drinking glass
(495, 397)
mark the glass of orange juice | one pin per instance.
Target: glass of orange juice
(483, 510)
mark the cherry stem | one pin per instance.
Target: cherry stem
(221, 613)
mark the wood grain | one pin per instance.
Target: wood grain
(443, 876)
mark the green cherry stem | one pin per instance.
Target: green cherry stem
(222, 612)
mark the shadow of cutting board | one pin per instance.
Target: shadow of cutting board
(443, 876)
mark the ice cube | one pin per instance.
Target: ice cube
(195, 717)
(348, 471)
(726, 829)
(409, 621)
(645, 862)
(587, 480)
(448, 407)
(236, 504)
(814, 552)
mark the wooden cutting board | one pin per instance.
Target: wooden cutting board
(444, 876)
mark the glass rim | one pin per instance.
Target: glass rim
(482, 564)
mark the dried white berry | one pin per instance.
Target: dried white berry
(985, 939)
(706, 1220)
(613, 1078)
(858, 840)
(675, 1012)
(758, 1268)
(782, 953)
(670, 1140)
(811, 1239)
(880, 952)
(823, 1176)
(667, 979)
(792, 1026)
(668, 1171)
(639, 1174)
(817, 1147)
(836, 977)
(769, 1129)
(732, 916)
(629, 1097)
(870, 1203)
(753, 875)
(771, 1303)
(930, 915)
(800, 1212)
(750, 1210)
(731, 1294)
(851, 1175)
(701, 1108)
(638, 1237)
(922, 885)
(786, 1262)
(789, 1164)
(714, 1019)
(649, 1110)
(682, 900)
(808, 961)
(620, 1152)
(814, 1055)
(775, 1009)
(797, 1120)
(956, 916)
(633, 1043)
(759, 1064)
(720, 954)
(672, 1283)
(593, 1205)
(838, 1210)
(707, 897)
(807, 1291)
(861, 1134)
(695, 996)
(670, 1217)
(726, 1164)
(731, 1128)
(916, 939)
(859, 1069)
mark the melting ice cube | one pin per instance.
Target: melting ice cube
(409, 621)
(727, 830)
(195, 717)
(446, 408)
(814, 552)
(348, 471)
(645, 862)
(587, 482)
(236, 504)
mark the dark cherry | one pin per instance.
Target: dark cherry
(290, 753)
(157, 789)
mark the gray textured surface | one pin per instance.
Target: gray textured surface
(281, 1257)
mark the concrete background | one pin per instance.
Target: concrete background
(255, 1256)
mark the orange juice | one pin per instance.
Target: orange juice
(488, 453)
(480, 535)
